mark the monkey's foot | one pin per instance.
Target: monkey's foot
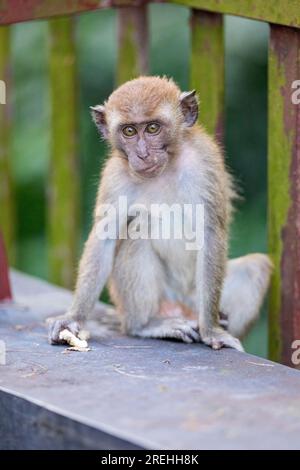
(57, 325)
(170, 328)
(218, 338)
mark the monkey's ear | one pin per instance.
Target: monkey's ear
(189, 107)
(99, 118)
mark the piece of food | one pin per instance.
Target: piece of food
(72, 340)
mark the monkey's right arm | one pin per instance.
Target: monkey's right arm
(98, 255)
(94, 269)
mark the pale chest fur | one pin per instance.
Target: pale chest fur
(180, 189)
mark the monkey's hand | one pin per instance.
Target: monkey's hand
(58, 324)
(218, 338)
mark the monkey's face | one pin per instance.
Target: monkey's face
(145, 145)
(144, 120)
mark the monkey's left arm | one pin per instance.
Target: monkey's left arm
(211, 262)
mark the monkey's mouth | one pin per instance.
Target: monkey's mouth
(151, 171)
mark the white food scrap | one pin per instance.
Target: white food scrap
(76, 343)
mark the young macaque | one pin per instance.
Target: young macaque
(160, 155)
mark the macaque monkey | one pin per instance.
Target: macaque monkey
(160, 155)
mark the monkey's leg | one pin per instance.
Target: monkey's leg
(245, 285)
(137, 288)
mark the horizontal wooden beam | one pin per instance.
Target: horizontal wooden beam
(284, 12)
(56, 399)
(16, 11)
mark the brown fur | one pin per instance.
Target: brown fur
(142, 97)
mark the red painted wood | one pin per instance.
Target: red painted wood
(15, 11)
(5, 290)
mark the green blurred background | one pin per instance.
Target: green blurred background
(245, 144)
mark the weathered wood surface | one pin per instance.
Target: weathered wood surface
(284, 192)
(127, 393)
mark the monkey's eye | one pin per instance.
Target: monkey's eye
(153, 128)
(129, 131)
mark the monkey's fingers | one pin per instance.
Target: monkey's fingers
(186, 332)
(59, 325)
(171, 328)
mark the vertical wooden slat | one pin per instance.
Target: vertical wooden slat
(133, 45)
(284, 192)
(5, 290)
(207, 68)
(63, 179)
(7, 222)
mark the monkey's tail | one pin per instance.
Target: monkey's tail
(246, 282)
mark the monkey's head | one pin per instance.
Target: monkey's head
(145, 119)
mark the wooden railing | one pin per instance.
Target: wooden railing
(207, 76)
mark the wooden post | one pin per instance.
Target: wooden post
(284, 192)
(207, 68)
(133, 46)
(7, 219)
(5, 290)
(63, 188)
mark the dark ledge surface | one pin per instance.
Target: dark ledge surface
(129, 393)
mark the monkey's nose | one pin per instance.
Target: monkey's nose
(142, 156)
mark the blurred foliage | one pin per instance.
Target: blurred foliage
(246, 105)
